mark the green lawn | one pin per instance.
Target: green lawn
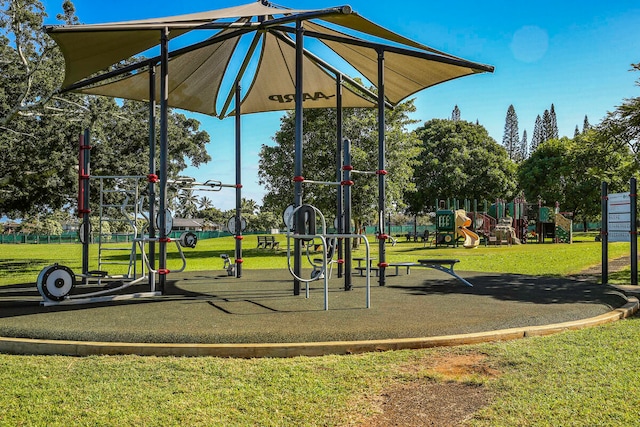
(579, 378)
(21, 263)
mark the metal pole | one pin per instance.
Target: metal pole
(381, 167)
(634, 231)
(604, 234)
(85, 174)
(297, 197)
(347, 215)
(152, 165)
(164, 112)
(238, 185)
(339, 214)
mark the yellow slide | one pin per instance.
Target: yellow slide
(471, 239)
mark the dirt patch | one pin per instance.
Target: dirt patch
(442, 390)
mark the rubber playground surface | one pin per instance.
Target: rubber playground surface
(205, 311)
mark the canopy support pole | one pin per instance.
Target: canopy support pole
(152, 165)
(339, 214)
(381, 168)
(164, 112)
(297, 201)
(238, 185)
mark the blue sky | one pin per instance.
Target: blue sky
(576, 55)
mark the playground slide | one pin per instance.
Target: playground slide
(471, 239)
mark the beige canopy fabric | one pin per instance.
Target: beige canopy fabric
(102, 45)
(274, 94)
(195, 77)
(404, 74)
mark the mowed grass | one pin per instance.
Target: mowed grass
(578, 378)
(21, 263)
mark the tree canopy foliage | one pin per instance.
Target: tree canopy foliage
(459, 160)
(40, 126)
(319, 159)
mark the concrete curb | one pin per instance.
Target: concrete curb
(240, 350)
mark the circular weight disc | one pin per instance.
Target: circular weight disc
(56, 283)
(188, 240)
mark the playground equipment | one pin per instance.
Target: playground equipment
(471, 239)
(301, 226)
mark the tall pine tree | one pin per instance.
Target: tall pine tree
(537, 137)
(511, 137)
(455, 114)
(524, 146)
(585, 125)
(553, 124)
(546, 126)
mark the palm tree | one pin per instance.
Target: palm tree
(205, 203)
(188, 203)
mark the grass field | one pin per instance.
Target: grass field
(21, 263)
(580, 378)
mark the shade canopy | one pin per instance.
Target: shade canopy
(197, 73)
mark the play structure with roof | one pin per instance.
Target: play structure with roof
(199, 77)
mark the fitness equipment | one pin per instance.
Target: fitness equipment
(228, 265)
(300, 221)
(55, 282)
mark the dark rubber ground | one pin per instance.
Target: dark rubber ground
(209, 307)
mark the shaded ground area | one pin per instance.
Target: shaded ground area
(208, 307)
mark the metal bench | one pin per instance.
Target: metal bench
(444, 265)
(265, 242)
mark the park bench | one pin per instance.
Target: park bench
(265, 242)
(444, 265)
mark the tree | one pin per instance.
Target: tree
(40, 128)
(546, 126)
(319, 159)
(570, 171)
(188, 203)
(576, 132)
(622, 126)
(205, 203)
(524, 146)
(455, 114)
(552, 132)
(511, 137)
(460, 160)
(585, 124)
(537, 137)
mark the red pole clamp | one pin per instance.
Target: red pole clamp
(239, 237)
(163, 271)
(298, 178)
(347, 168)
(238, 185)
(84, 176)
(84, 211)
(349, 182)
(239, 261)
(383, 264)
(164, 239)
(340, 261)
(152, 177)
(381, 172)
(383, 236)
(85, 147)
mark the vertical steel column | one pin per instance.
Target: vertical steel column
(152, 165)
(85, 174)
(238, 185)
(164, 111)
(604, 234)
(381, 168)
(346, 177)
(297, 197)
(339, 214)
(633, 196)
